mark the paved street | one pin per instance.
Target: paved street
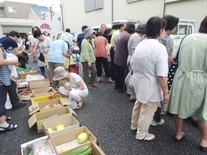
(107, 113)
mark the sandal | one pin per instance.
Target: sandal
(79, 105)
(8, 119)
(9, 128)
(110, 81)
(179, 140)
(203, 149)
(163, 113)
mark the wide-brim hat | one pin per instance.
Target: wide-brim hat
(60, 73)
(88, 31)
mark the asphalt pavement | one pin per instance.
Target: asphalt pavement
(107, 113)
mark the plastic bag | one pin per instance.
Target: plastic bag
(128, 78)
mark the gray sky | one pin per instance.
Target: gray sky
(54, 3)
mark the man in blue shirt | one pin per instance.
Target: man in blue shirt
(81, 37)
(10, 43)
(58, 50)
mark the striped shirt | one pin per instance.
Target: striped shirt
(4, 72)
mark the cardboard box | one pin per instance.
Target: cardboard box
(42, 146)
(25, 95)
(39, 118)
(45, 98)
(34, 84)
(21, 85)
(23, 74)
(63, 139)
(43, 91)
(96, 150)
(32, 77)
(48, 105)
(68, 121)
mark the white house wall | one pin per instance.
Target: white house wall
(141, 10)
(75, 17)
(74, 14)
(188, 9)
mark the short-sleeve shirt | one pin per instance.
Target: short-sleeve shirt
(114, 37)
(8, 44)
(55, 53)
(74, 79)
(121, 51)
(150, 60)
(133, 41)
(100, 43)
(168, 42)
(67, 37)
(45, 44)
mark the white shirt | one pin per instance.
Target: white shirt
(74, 79)
(150, 60)
(30, 37)
(12, 68)
(45, 44)
(67, 37)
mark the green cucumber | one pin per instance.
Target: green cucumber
(78, 150)
(87, 152)
(29, 150)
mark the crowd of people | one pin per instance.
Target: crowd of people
(136, 60)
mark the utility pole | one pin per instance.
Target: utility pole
(112, 10)
(51, 11)
(61, 9)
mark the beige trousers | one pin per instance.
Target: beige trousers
(52, 67)
(142, 115)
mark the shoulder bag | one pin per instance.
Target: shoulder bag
(173, 67)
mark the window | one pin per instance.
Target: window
(169, 1)
(1, 12)
(91, 5)
(131, 1)
(183, 30)
(12, 9)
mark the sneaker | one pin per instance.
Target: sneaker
(93, 85)
(20, 105)
(133, 128)
(154, 123)
(89, 87)
(147, 137)
(132, 99)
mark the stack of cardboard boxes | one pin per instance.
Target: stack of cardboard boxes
(53, 117)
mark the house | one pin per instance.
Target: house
(9, 9)
(39, 12)
(95, 12)
(21, 17)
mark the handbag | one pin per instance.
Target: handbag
(74, 67)
(41, 57)
(173, 67)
